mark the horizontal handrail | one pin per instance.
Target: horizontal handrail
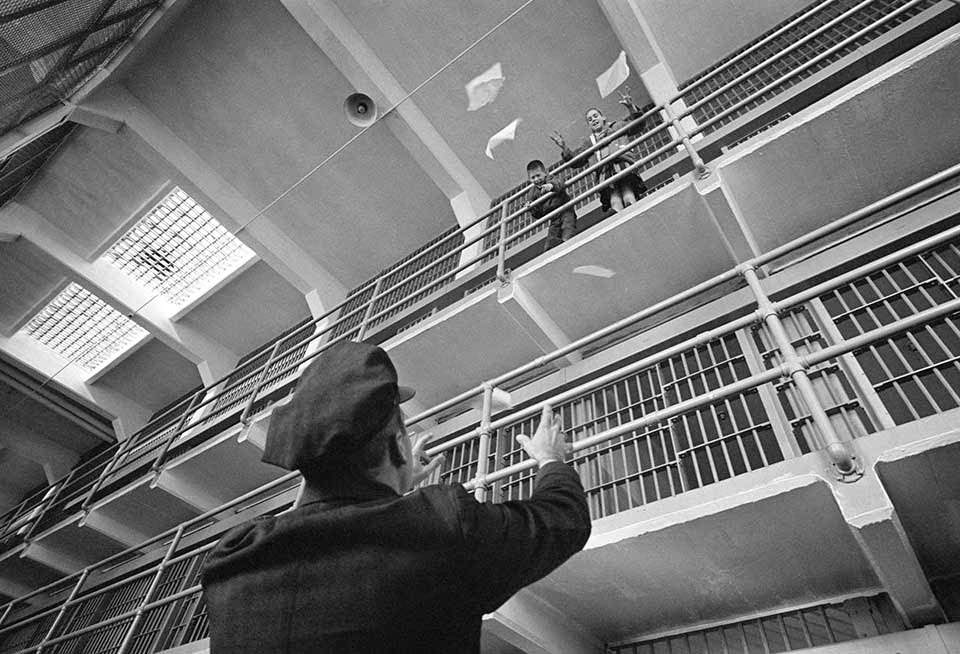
(228, 385)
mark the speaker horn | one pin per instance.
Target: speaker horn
(360, 109)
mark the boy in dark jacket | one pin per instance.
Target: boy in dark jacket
(563, 225)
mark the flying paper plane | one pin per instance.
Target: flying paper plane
(508, 133)
(483, 89)
(614, 76)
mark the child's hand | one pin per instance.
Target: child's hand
(557, 138)
(627, 101)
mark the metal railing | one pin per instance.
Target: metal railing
(156, 605)
(236, 396)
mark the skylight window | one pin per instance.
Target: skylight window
(83, 328)
(179, 250)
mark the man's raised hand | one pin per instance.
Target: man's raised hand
(423, 465)
(547, 443)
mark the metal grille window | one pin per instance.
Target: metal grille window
(783, 632)
(83, 328)
(830, 381)
(916, 372)
(178, 249)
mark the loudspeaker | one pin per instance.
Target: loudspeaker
(360, 109)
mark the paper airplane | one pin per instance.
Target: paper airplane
(483, 89)
(594, 271)
(508, 133)
(614, 76)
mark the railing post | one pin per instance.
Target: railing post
(161, 457)
(844, 461)
(369, 312)
(7, 611)
(63, 609)
(483, 449)
(148, 596)
(702, 171)
(262, 377)
(502, 244)
(47, 503)
(107, 469)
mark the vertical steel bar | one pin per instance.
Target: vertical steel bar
(502, 244)
(261, 378)
(768, 398)
(148, 596)
(486, 408)
(369, 310)
(63, 609)
(47, 503)
(7, 610)
(839, 453)
(852, 367)
(107, 469)
(699, 165)
(161, 457)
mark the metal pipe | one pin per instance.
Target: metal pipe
(836, 47)
(370, 303)
(483, 447)
(793, 46)
(148, 596)
(248, 407)
(700, 168)
(839, 452)
(63, 609)
(502, 245)
(157, 465)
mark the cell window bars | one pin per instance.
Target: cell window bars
(178, 249)
(830, 380)
(83, 328)
(916, 373)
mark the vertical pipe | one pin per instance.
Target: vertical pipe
(261, 378)
(158, 462)
(502, 244)
(369, 311)
(148, 596)
(699, 165)
(486, 409)
(7, 610)
(47, 503)
(840, 455)
(63, 609)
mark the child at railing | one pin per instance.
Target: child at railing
(628, 188)
(562, 226)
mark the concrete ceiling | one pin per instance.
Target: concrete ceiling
(551, 53)
(27, 277)
(153, 376)
(258, 100)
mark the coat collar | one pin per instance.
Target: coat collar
(347, 491)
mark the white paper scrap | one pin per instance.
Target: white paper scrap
(508, 133)
(614, 76)
(594, 271)
(483, 89)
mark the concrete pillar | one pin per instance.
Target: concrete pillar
(532, 625)
(533, 319)
(874, 523)
(55, 459)
(129, 416)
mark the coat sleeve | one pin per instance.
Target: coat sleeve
(568, 154)
(513, 544)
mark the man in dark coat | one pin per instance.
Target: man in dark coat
(362, 564)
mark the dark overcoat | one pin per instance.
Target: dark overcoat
(364, 569)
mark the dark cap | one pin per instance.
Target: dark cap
(342, 400)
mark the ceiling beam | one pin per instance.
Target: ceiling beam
(160, 145)
(55, 459)
(126, 415)
(114, 287)
(56, 398)
(332, 31)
